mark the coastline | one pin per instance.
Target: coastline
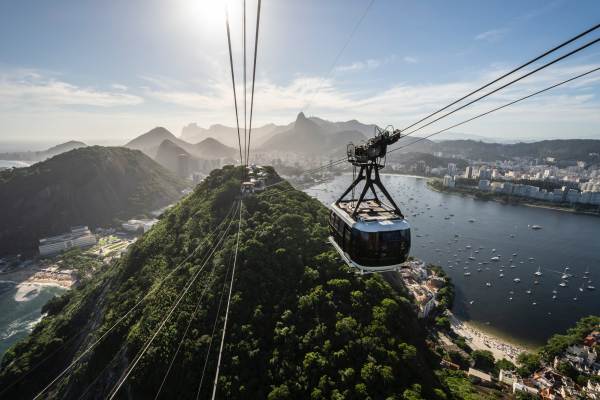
(518, 203)
(481, 339)
(28, 281)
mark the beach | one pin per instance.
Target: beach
(477, 339)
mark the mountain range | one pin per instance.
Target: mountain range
(87, 186)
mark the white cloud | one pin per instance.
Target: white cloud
(360, 65)
(410, 60)
(30, 89)
(492, 35)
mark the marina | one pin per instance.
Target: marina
(512, 256)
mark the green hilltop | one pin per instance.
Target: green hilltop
(86, 186)
(301, 325)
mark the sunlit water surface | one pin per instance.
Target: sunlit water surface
(443, 225)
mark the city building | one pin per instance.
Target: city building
(507, 377)
(449, 181)
(80, 236)
(452, 169)
(484, 185)
(479, 374)
(469, 172)
(136, 225)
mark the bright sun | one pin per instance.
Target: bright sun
(205, 14)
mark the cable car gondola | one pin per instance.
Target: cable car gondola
(369, 234)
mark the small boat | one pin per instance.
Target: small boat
(590, 287)
(513, 266)
(472, 301)
(501, 275)
(528, 291)
(495, 258)
(478, 269)
(471, 220)
(536, 227)
(468, 246)
(514, 254)
(510, 299)
(554, 297)
(488, 284)
(563, 284)
(512, 235)
(536, 283)
(467, 274)
(538, 272)
(554, 292)
(534, 304)
(516, 280)
(493, 250)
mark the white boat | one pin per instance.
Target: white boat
(563, 284)
(534, 303)
(467, 274)
(590, 287)
(538, 272)
(536, 227)
(501, 275)
(528, 291)
(493, 250)
(516, 280)
(488, 284)
(536, 283)
(554, 297)
(514, 254)
(495, 258)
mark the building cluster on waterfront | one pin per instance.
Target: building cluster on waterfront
(549, 383)
(422, 284)
(78, 237)
(576, 184)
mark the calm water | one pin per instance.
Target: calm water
(566, 240)
(17, 318)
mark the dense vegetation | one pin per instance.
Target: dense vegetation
(87, 186)
(301, 325)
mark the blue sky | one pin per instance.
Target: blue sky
(106, 71)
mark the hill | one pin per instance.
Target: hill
(87, 186)
(569, 149)
(301, 323)
(36, 156)
(311, 137)
(211, 148)
(228, 135)
(174, 158)
(207, 149)
(149, 142)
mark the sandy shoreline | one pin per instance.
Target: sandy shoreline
(477, 339)
(30, 280)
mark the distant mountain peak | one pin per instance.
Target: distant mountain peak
(301, 117)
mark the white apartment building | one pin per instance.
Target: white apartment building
(80, 236)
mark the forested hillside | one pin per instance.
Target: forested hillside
(301, 325)
(86, 186)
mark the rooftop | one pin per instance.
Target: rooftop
(369, 210)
